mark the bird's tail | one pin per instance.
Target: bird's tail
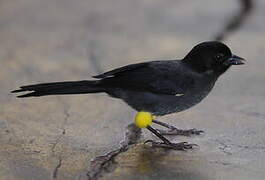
(55, 88)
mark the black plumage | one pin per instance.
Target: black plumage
(158, 87)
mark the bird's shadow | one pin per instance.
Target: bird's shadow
(158, 163)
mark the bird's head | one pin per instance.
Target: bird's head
(212, 57)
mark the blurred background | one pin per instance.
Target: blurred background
(56, 40)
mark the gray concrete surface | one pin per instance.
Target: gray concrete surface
(56, 137)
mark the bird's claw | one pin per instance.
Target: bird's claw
(175, 146)
(176, 131)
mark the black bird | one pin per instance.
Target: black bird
(158, 87)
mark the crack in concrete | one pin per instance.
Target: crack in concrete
(106, 163)
(58, 139)
(56, 169)
(67, 115)
(236, 21)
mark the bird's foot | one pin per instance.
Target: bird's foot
(176, 131)
(182, 146)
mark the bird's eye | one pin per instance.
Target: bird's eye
(219, 56)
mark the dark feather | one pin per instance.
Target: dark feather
(70, 87)
(162, 77)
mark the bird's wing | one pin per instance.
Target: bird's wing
(120, 71)
(162, 77)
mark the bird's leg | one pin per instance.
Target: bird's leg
(144, 119)
(166, 143)
(172, 130)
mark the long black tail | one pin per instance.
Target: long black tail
(69, 87)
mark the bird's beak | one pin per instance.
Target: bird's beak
(235, 60)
